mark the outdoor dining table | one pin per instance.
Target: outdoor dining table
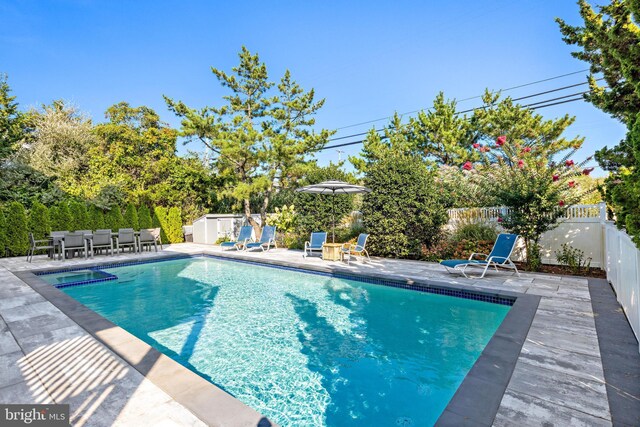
(57, 239)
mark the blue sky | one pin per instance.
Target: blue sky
(367, 58)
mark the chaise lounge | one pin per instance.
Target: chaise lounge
(499, 257)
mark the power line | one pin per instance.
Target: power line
(533, 106)
(474, 97)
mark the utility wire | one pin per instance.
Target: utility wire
(533, 106)
(472, 109)
(475, 97)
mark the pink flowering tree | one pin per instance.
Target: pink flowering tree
(536, 189)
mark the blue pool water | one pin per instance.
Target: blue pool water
(300, 348)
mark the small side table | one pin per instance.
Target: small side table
(331, 251)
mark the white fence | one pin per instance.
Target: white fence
(585, 227)
(580, 227)
(623, 271)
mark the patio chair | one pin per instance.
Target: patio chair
(499, 257)
(244, 236)
(73, 242)
(156, 232)
(357, 250)
(315, 243)
(39, 244)
(267, 239)
(126, 238)
(102, 240)
(146, 238)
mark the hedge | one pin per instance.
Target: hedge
(131, 217)
(39, 221)
(3, 231)
(80, 218)
(160, 220)
(174, 226)
(16, 231)
(144, 217)
(113, 218)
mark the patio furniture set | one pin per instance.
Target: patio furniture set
(88, 242)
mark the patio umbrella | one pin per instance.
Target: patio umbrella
(333, 188)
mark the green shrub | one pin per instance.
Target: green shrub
(113, 219)
(96, 218)
(54, 218)
(475, 231)
(573, 258)
(284, 219)
(17, 235)
(174, 226)
(65, 220)
(39, 222)
(3, 233)
(144, 217)
(79, 215)
(402, 213)
(131, 217)
(160, 220)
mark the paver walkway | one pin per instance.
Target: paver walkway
(558, 379)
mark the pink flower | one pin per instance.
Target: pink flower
(467, 166)
(555, 178)
(587, 171)
(520, 164)
(568, 163)
(572, 184)
(561, 203)
(500, 219)
(485, 149)
(501, 140)
(476, 145)
(527, 149)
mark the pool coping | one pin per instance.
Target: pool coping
(475, 402)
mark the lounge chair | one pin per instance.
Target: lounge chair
(499, 257)
(146, 238)
(315, 242)
(357, 250)
(267, 239)
(73, 242)
(126, 238)
(241, 242)
(39, 244)
(102, 240)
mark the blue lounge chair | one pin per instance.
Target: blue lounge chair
(318, 239)
(243, 238)
(357, 250)
(499, 257)
(267, 239)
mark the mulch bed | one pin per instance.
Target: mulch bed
(566, 271)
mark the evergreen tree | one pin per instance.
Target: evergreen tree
(131, 217)
(17, 235)
(96, 218)
(260, 139)
(13, 123)
(79, 215)
(65, 219)
(609, 42)
(54, 218)
(113, 219)
(144, 217)
(160, 220)
(39, 222)
(3, 233)
(174, 225)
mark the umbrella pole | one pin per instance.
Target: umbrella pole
(333, 217)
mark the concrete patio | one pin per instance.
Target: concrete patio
(46, 357)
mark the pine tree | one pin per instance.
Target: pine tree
(131, 217)
(39, 222)
(144, 217)
(17, 235)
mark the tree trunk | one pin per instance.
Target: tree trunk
(252, 222)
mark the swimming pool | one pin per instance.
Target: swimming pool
(301, 348)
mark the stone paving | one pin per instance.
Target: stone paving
(46, 357)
